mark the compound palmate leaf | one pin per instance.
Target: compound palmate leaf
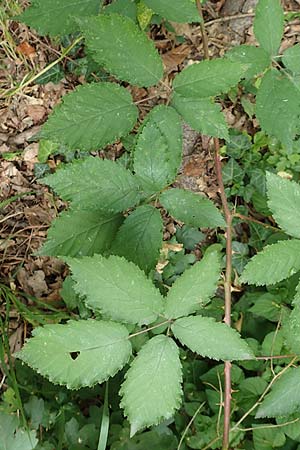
(79, 353)
(194, 288)
(116, 287)
(278, 107)
(140, 237)
(284, 399)
(191, 208)
(57, 17)
(175, 10)
(202, 114)
(81, 233)
(91, 117)
(207, 337)
(268, 25)
(115, 42)
(208, 78)
(275, 263)
(284, 202)
(94, 183)
(158, 151)
(152, 391)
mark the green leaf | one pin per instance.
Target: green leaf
(275, 263)
(284, 399)
(14, 438)
(127, 53)
(91, 117)
(56, 17)
(267, 307)
(202, 114)
(194, 288)
(152, 391)
(291, 330)
(116, 287)
(94, 183)
(80, 233)
(176, 10)
(158, 151)
(278, 107)
(269, 24)
(284, 202)
(208, 78)
(79, 353)
(140, 237)
(126, 8)
(192, 209)
(291, 59)
(266, 438)
(211, 339)
(256, 58)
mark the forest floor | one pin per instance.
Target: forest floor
(26, 207)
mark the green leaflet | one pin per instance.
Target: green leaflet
(79, 353)
(14, 438)
(284, 399)
(268, 25)
(158, 151)
(284, 202)
(256, 58)
(190, 208)
(126, 8)
(278, 107)
(116, 287)
(266, 438)
(275, 263)
(152, 390)
(291, 59)
(127, 53)
(291, 330)
(56, 17)
(94, 183)
(202, 115)
(207, 337)
(208, 78)
(140, 237)
(176, 10)
(80, 233)
(86, 119)
(194, 288)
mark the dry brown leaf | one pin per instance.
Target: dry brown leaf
(26, 49)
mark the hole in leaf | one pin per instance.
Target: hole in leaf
(74, 355)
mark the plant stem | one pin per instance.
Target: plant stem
(203, 31)
(227, 291)
(227, 282)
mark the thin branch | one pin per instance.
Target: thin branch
(251, 219)
(189, 425)
(203, 31)
(148, 329)
(227, 290)
(23, 83)
(235, 427)
(272, 425)
(266, 358)
(227, 282)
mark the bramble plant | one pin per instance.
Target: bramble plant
(112, 233)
